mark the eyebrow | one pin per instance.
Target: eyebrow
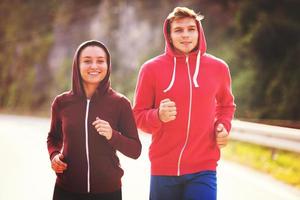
(179, 27)
(91, 57)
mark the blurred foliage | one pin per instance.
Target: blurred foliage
(259, 40)
(268, 43)
(24, 45)
(282, 165)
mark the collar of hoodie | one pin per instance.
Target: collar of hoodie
(195, 82)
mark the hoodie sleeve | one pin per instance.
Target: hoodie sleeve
(127, 140)
(145, 113)
(54, 139)
(225, 101)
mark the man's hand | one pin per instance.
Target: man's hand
(221, 135)
(167, 110)
(57, 164)
(103, 128)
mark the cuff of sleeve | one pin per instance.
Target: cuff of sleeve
(54, 153)
(114, 138)
(227, 125)
(153, 115)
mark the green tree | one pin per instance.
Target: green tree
(270, 39)
(24, 42)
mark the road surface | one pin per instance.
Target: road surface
(25, 171)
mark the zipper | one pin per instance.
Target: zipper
(189, 118)
(87, 145)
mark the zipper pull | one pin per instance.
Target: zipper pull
(187, 59)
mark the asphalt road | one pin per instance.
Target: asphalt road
(25, 171)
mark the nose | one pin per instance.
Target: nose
(185, 34)
(94, 65)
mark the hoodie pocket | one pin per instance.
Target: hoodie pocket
(107, 167)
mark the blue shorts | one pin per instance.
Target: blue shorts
(197, 186)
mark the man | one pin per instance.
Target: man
(183, 98)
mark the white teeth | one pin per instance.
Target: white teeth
(94, 73)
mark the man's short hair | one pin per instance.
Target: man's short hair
(181, 12)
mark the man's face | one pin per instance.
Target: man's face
(184, 34)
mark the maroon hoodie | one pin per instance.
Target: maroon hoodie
(93, 166)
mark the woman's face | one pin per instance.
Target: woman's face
(93, 65)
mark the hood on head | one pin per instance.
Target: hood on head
(201, 49)
(201, 39)
(77, 85)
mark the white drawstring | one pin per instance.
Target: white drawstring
(173, 77)
(196, 70)
(194, 76)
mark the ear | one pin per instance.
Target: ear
(169, 38)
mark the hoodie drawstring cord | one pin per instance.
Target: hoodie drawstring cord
(194, 76)
(196, 70)
(173, 77)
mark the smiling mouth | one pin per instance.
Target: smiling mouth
(186, 43)
(94, 73)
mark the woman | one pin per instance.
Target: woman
(88, 124)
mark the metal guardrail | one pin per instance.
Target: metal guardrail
(275, 137)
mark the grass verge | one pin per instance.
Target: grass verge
(282, 165)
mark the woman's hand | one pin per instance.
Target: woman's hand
(57, 164)
(103, 128)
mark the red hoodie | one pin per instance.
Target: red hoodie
(93, 166)
(200, 86)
